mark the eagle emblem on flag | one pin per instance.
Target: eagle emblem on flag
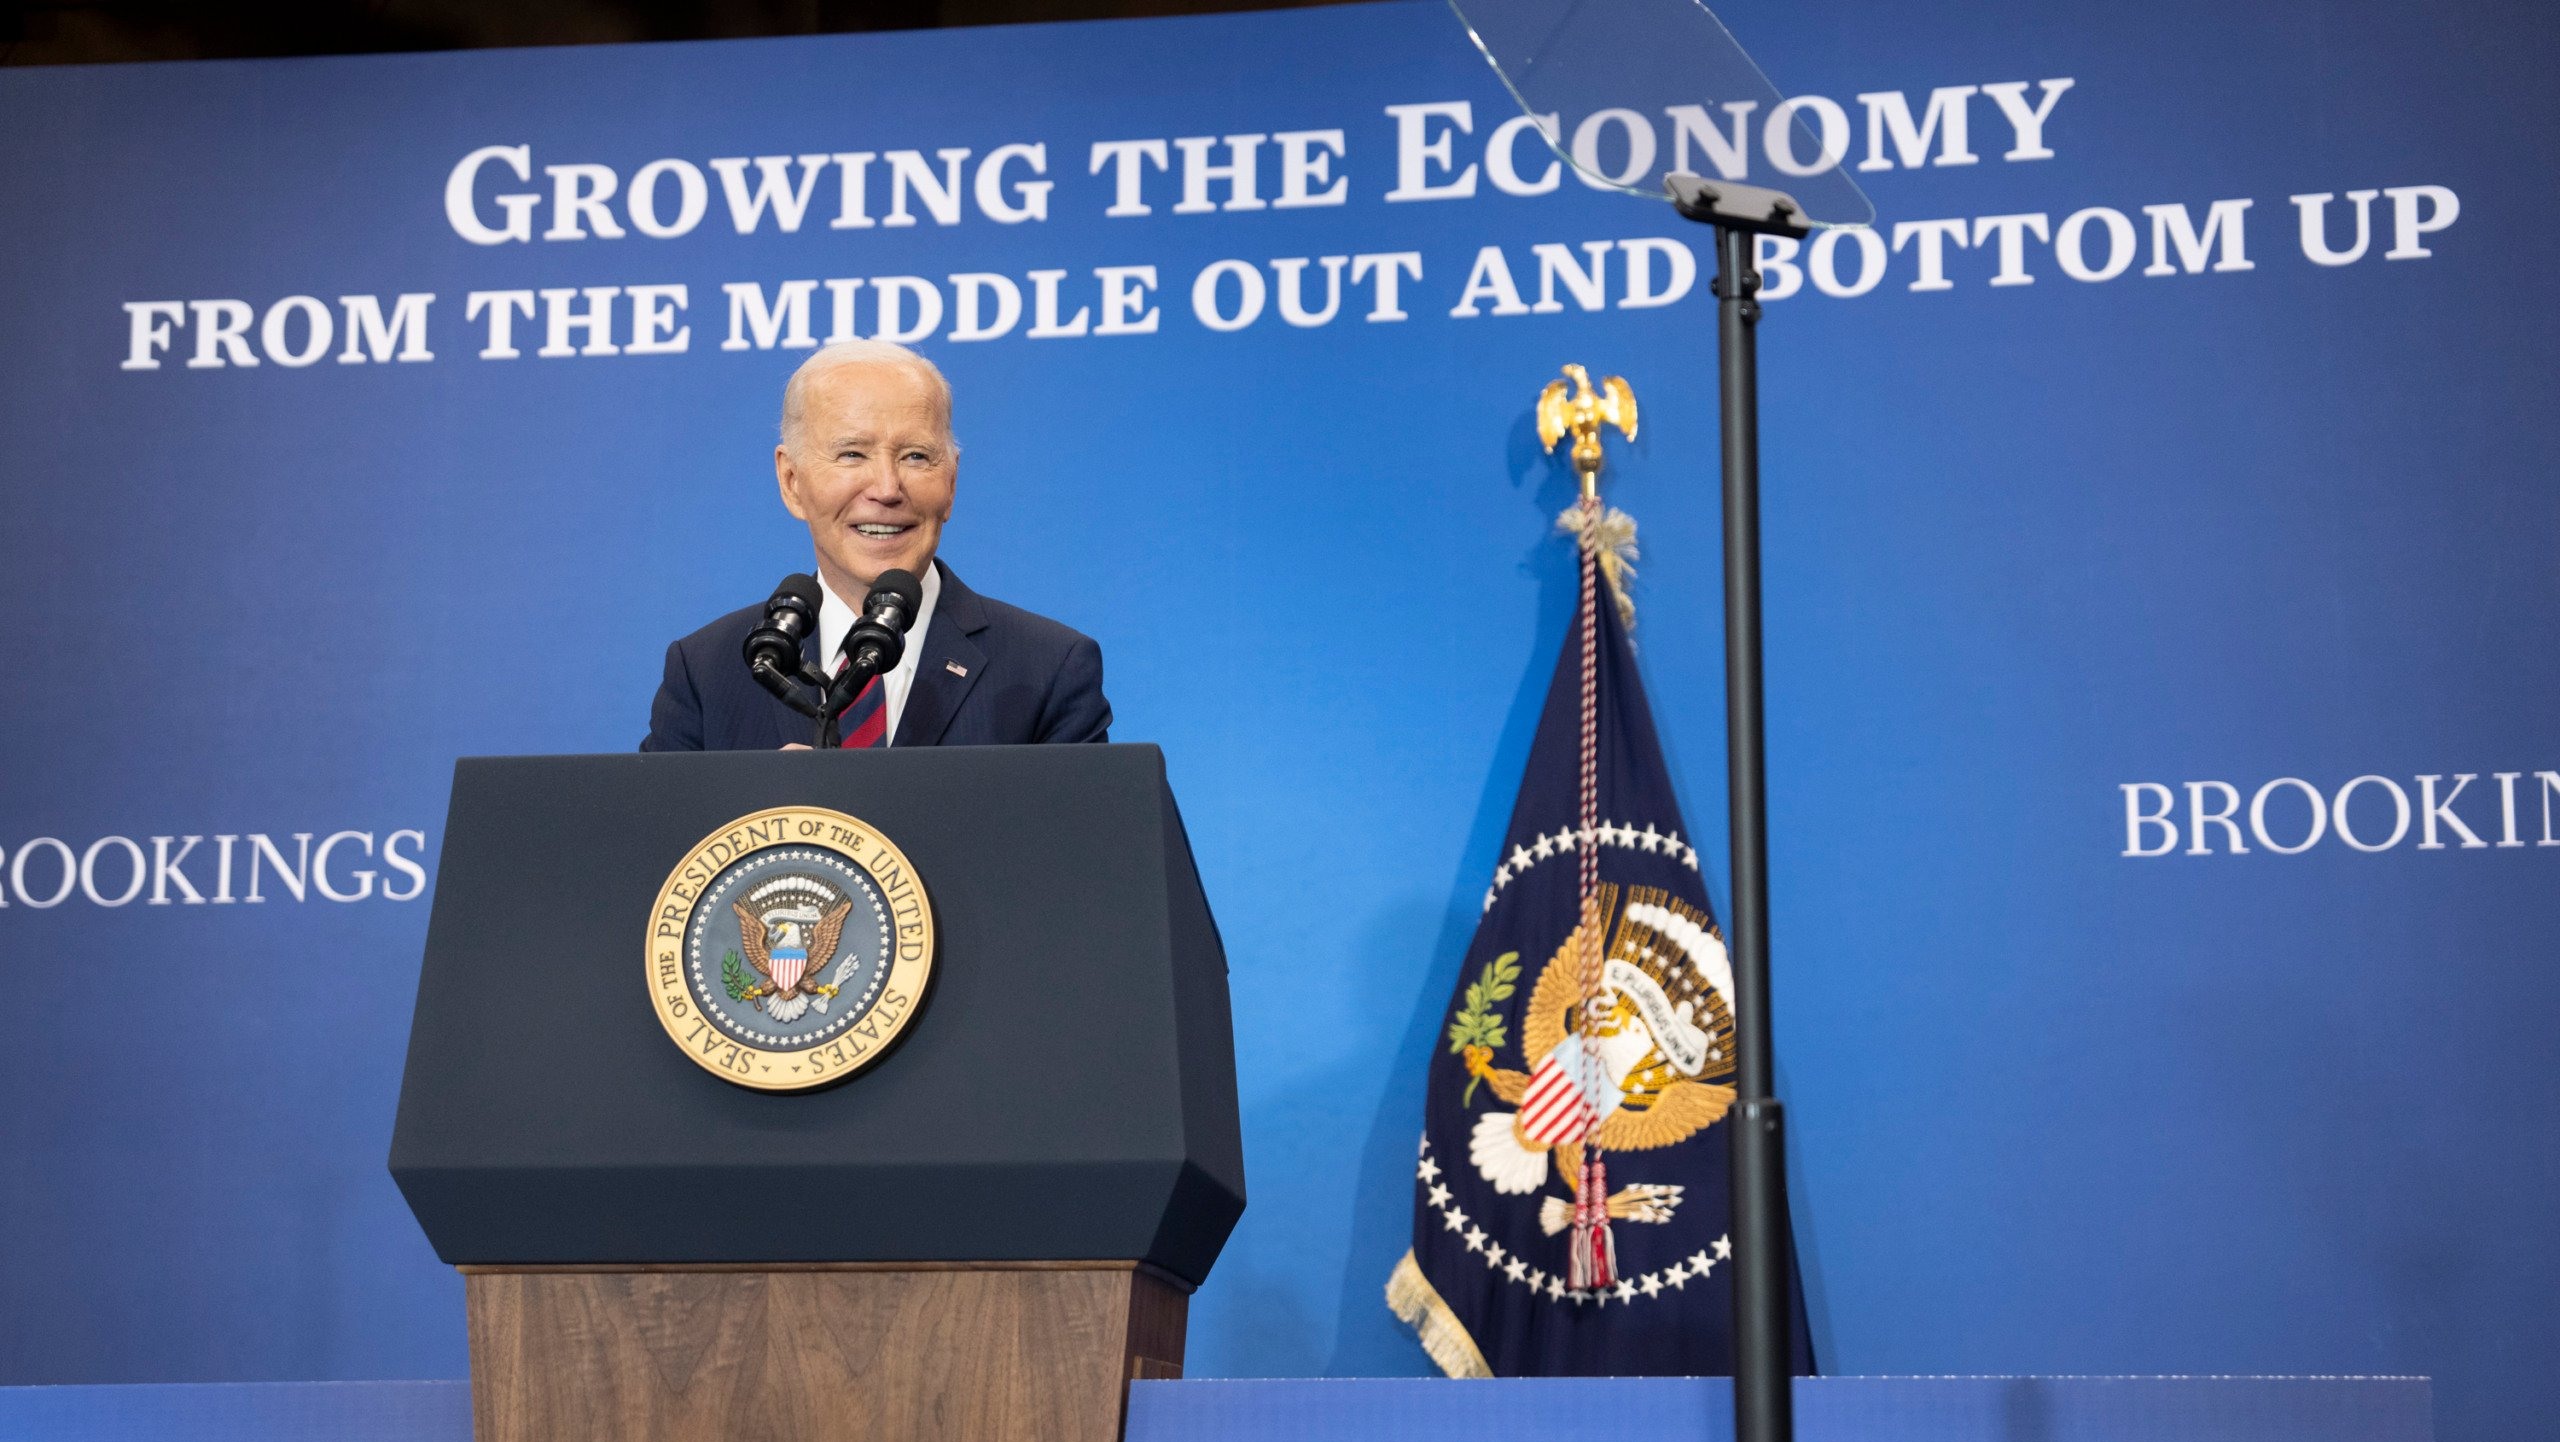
(1645, 1079)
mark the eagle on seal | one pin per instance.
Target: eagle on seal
(790, 956)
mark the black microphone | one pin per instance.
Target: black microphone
(879, 639)
(773, 648)
(873, 646)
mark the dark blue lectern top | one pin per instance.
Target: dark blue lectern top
(1067, 1091)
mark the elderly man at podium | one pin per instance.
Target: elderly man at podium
(867, 462)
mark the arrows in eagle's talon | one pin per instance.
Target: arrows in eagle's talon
(1644, 1202)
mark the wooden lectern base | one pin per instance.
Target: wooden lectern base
(817, 1352)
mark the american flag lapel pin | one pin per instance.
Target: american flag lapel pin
(955, 668)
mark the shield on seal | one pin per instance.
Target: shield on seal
(790, 963)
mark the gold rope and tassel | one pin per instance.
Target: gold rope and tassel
(1417, 1304)
(1611, 535)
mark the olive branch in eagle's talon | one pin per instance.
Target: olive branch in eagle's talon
(1478, 1030)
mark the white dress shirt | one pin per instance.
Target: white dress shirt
(836, 616)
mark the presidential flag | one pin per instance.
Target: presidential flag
(1571, 1211)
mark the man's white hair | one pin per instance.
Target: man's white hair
(854, 353)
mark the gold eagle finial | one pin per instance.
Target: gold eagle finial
(1581, 411)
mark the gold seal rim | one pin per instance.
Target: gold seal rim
(823, 1063)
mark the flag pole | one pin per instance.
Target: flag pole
(1763, 1400)
(1583, 411)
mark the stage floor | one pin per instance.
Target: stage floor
(1828, 1409)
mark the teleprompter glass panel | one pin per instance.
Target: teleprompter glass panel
(1627, 92)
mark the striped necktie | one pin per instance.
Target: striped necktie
(866, 721)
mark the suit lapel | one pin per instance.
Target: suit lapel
(950, 666)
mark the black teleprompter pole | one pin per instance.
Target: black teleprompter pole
(1763, 1396)
(1763, 1409)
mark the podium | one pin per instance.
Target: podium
(985, 1233)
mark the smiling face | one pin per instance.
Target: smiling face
(869, 465)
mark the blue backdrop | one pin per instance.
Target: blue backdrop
(2042, 558)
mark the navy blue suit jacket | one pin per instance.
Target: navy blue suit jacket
(989, 675)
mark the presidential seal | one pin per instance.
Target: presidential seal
(790, 948)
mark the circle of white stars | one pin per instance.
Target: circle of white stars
(863, 887)
(1511, 1268)
(1566, 841)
